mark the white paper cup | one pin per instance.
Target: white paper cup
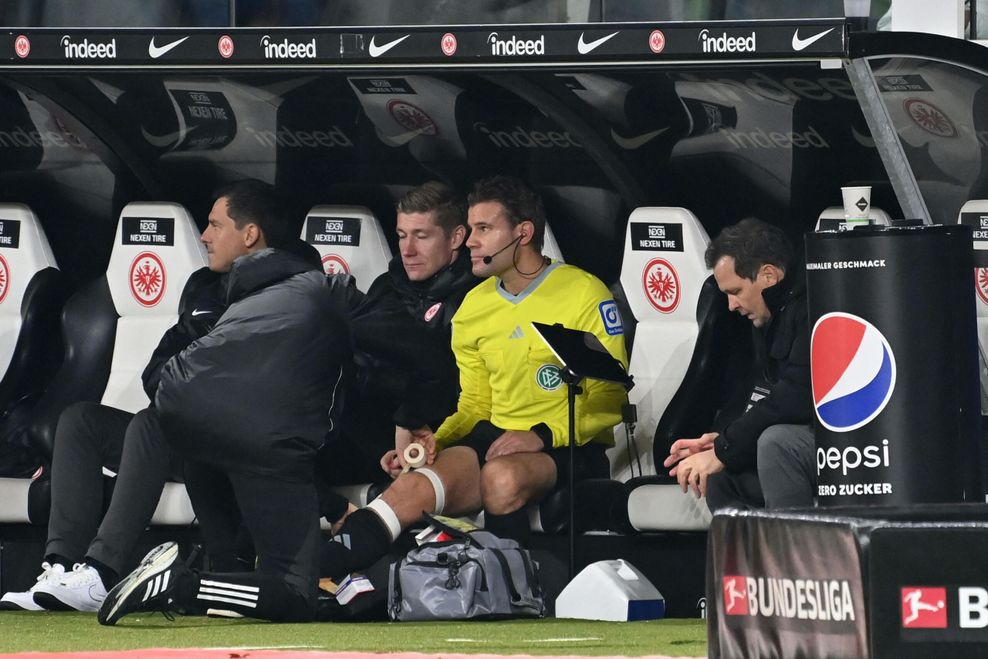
(857, 203)
(857, 8)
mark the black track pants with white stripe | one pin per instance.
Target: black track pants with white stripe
(282, 518)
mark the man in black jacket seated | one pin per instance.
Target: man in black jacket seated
(764, 458)
(405, 371)
(90, 437)
(405, 374)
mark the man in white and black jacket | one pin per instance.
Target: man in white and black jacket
(763, 458)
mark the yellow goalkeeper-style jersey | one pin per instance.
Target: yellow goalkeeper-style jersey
(508, 375)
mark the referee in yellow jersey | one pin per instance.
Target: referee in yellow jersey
(506, 444)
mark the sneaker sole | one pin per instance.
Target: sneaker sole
(49, 602)
(156, 562)
(7, 605)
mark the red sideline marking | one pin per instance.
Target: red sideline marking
(246, 653)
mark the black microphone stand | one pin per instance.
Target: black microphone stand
(579, 361)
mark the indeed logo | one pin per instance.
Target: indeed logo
(520, 138)
(86, 49)
(726, 44)
(515, 46)
(294, 139)
(760, 139)
(288, 50)
(36, 138)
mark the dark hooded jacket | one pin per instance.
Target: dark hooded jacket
(405, 373)
(262, 389)
(782, 360)
(402, 343)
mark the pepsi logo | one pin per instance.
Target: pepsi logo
(334, 264)
(853, 371)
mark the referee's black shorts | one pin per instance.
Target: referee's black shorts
(591, 459)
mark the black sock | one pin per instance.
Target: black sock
(362, 540)
(58, 559)
(227, 561)
(332, 506)
(513, 526)
(186, 588)
(107, 574)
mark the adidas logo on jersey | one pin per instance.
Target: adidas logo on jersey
(517, 334)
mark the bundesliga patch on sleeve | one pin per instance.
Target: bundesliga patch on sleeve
(612, 317)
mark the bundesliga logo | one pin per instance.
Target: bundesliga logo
(853, 371)
(827, 600)
(926, 607)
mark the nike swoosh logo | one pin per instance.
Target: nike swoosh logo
(801, 44)
(402, 139)
(196, 312)
(638, 141)
(162, 141)
(862, 139)
(157, 51)
(377, 51)
(583, 47)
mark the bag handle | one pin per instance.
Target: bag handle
(396, 580)
(506, 573)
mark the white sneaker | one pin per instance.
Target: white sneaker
(25, 601)
(79, 590)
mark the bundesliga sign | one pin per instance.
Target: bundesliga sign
(929, 587)
(784, 587)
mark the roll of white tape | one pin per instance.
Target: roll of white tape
(415, 455)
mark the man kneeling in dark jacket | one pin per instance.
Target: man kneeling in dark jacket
(250, 403)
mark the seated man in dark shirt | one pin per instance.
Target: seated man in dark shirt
(764, 458)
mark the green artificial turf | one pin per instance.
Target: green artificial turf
(52, 632)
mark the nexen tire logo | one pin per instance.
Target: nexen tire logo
(89, 50)
(853, 371)
(287, 49)
(516, 46)
(726, 44)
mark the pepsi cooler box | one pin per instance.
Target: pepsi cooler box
(894, 361)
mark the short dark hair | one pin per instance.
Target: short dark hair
(752, 243)
(438, 198)
(521, 202)
(250, 200)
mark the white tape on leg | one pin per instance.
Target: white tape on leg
(437, 486)
(387, 515)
